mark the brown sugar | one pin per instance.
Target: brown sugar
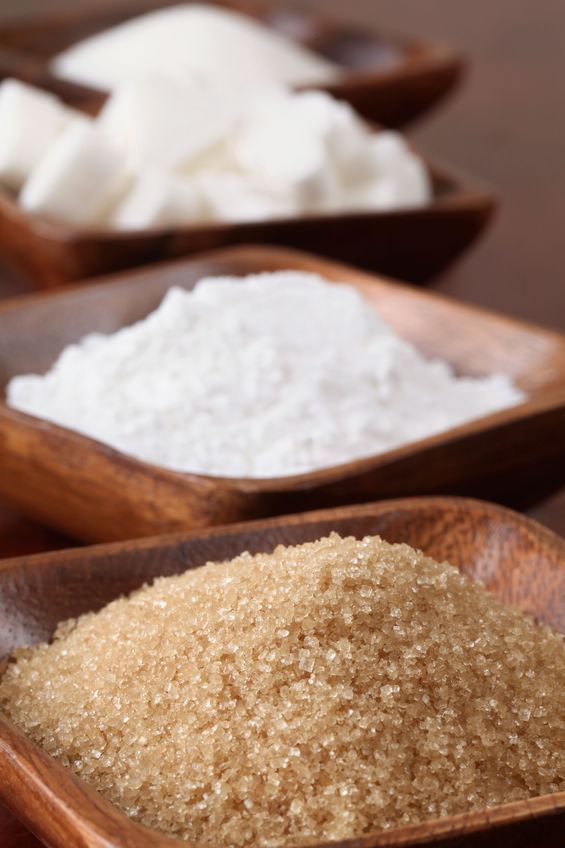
(316, 693)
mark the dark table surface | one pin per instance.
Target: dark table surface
(506, 124)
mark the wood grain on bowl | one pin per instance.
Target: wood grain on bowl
(520, 562)
(95, 493)
(413, 244)
(387, 78)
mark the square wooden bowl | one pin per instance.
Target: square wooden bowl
(519, 561)
(414, 244)
(95, 493)
(387, 78)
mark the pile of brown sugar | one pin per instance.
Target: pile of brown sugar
(315, 693)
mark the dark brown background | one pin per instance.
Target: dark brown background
(507, 125)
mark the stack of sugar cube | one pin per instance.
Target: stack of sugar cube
(166, 152)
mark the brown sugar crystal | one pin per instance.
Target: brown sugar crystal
(315, 693)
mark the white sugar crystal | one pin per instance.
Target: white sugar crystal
(292, 161)
(408, 185)
(191, 41)
(215, 157)
(384, 151)
(232, 197)
(158, 200)
(344, 135)
(78, 179)
(165, 123)
(30, 120)
(270, 375)
(327, 158)
(282, 145)
(412, 182)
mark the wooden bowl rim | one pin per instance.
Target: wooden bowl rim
(410, 505)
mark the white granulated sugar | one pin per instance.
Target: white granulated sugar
(192, 41)
(265, 376)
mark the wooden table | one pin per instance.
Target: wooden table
(507, 125)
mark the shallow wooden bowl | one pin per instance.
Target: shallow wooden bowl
(387, 78)
(412, 244)
(95, 493)
(520, 562)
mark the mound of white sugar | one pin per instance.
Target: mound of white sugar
(190, 41)
(265, 376)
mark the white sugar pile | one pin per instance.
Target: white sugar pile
(266, 376)
(192, 41)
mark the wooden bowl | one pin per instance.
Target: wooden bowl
(387, 78)
(414, 244)
(95, 493)
(520, 562)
